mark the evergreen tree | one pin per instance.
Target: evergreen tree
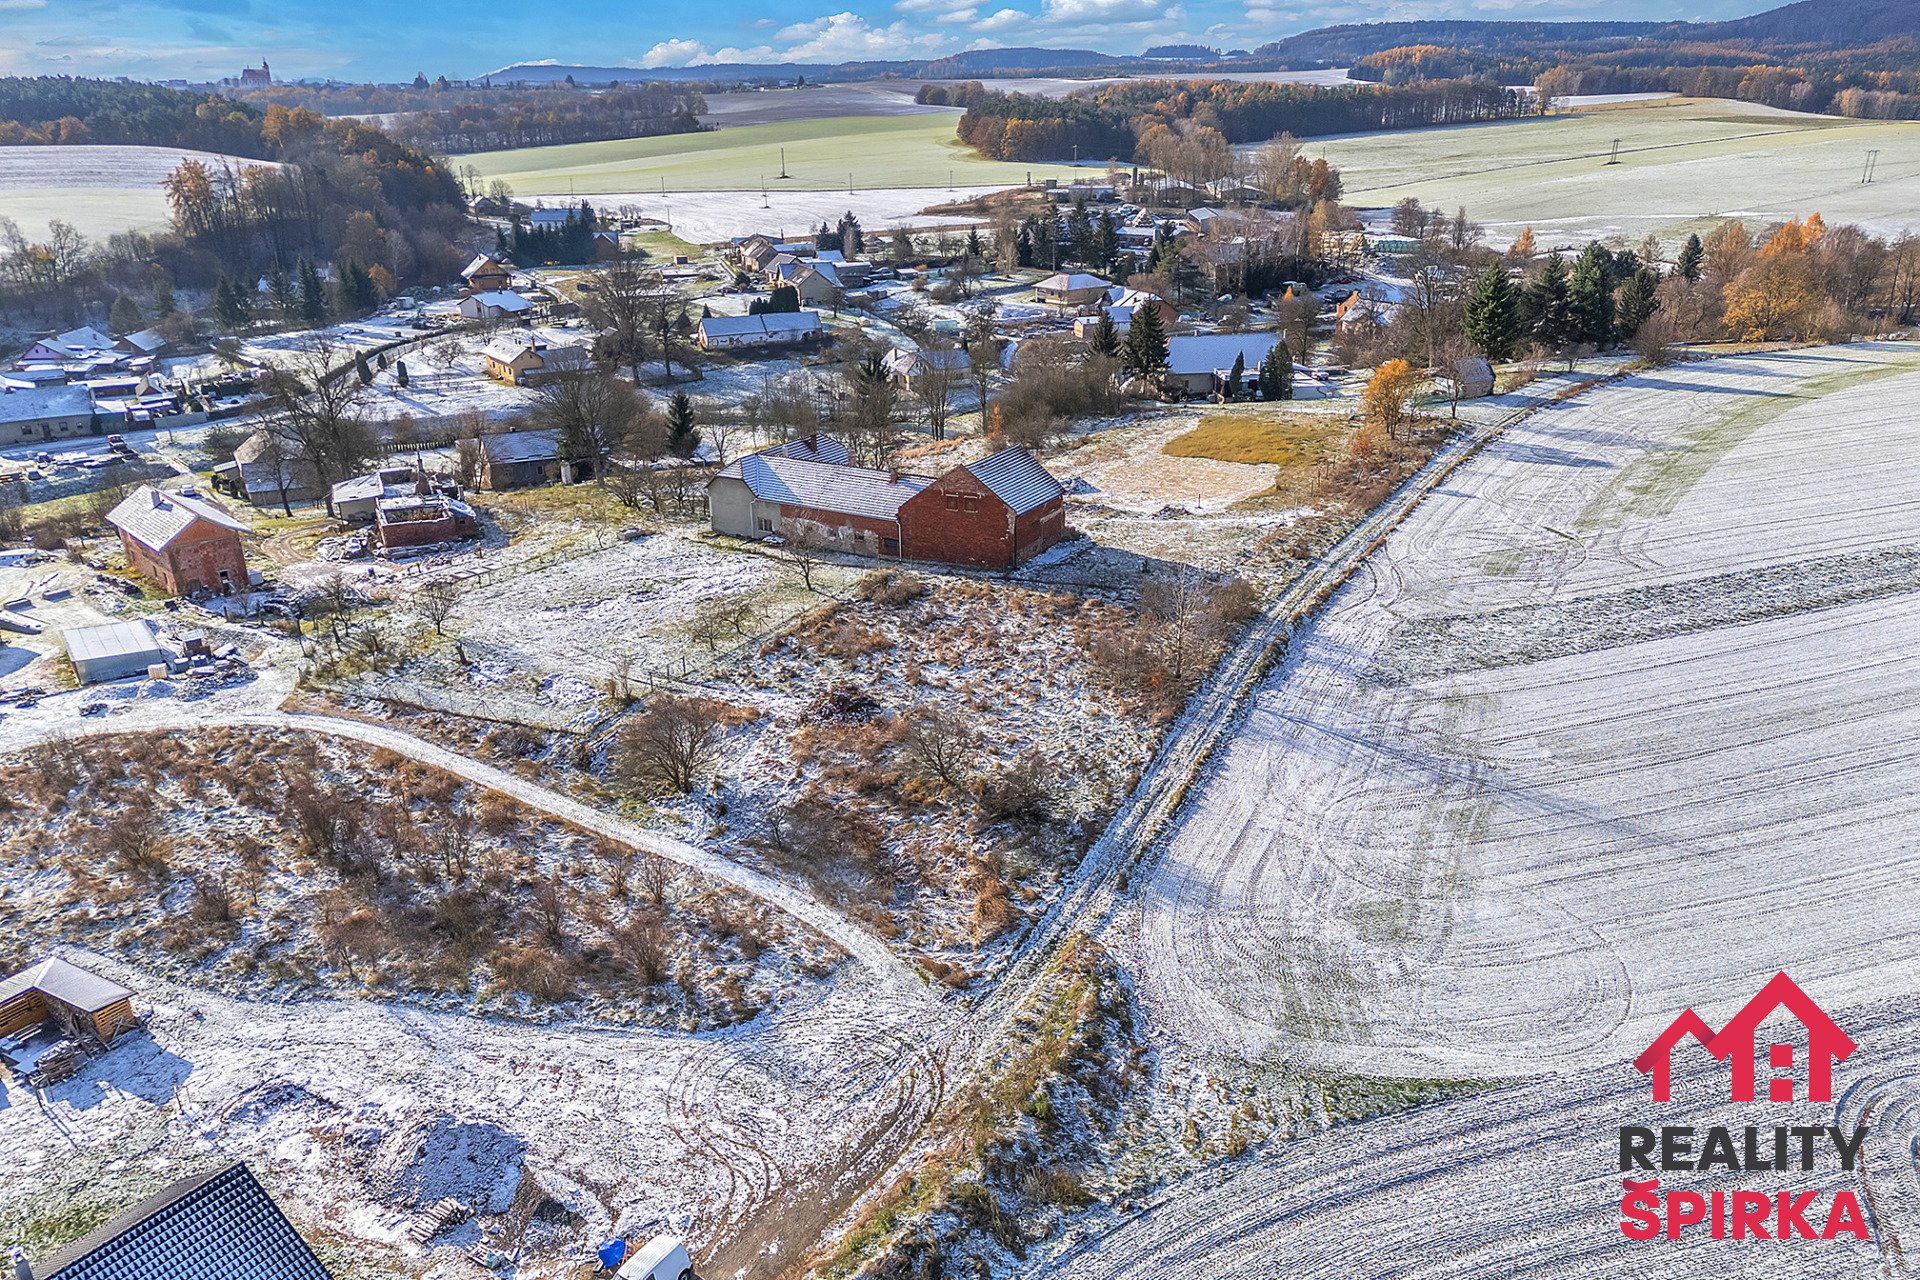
(1639, 299)
(313, 296)
(1106, 338)
(1692, 255)
(902, 246)
(1590, 297)
(357, 290)
(974, 248)
(682, 437)
(125, 315)
(400, 373)
(1237, 375)
(1146, 343)
(1549, 317)
(281, 293)
(1106, 241)
(232, 305)
(1276, 373)
(1493, 321)
(1077, 243)
(361, 369)
(163, 303)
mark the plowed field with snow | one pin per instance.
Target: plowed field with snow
(1624, 718)
(101, 190)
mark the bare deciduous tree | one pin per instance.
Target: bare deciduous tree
(669, 745)
(436, 602)
(941, 743)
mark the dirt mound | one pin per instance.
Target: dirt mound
(443, 1157)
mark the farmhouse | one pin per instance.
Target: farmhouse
(523, 459)
(996, 513)
(485, 275)
(494, 304)
(728, 333)
(81, 344)
(184, 545)
(526, 359)
(355, 500)
(269, 468)
(1200, 365)
(80, 1004)
(1072, 289)
(45, 413)
(904, 366)
(220, 1225)
(111, 651)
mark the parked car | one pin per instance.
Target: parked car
(661, 1258)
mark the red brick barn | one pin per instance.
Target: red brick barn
(183, 544)
(997, 513)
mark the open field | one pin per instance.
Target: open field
(1621, 719)
(100, 190)
(772, 106)
(1684, 163)
(877, 151)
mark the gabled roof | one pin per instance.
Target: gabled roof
(62, 401)
(218, 1226)
(482, 264)
(1064, 282)
(852, 491)
(522, 446)
(1016, 477)
(1205, 353)
(69, 984)
(154, 519)
(773, 324)
(146, 340)
(813, 448)
(502, 299)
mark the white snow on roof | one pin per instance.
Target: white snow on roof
(813, 448)
(522, 446)
(68, 401)
(1204, 353)
(771, 325)
(1062, 282)
(69, 984)
(111, 640)
(154, 518)
(853, 491)
(504, 300)
(1016, 477)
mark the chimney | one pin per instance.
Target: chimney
(22, 1269)
(158, 499)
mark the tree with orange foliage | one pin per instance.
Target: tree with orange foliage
(1523, 249)
(1384, 404)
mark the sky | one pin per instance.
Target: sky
(381, 40)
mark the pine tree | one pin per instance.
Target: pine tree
(1493, 321)
(1549, 317)
(356, 289)
(313, 296)
(125, 315)
(360, 368)
(974, 248)
(1590, 297)
(163, 303)
(1106, 241)
(282, 294)
(400, 373)
(1692, 255)
(1105, 340)
(232, 305)
(1146, 342)
(1237, 375)
(1639, 299)
(1276, 373)
(682, 438)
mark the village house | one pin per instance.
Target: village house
(1200, 364)
(772, 329)
(1072, 289)
(549, 219)
(56, 412)
(83, 344)
(996, 513)
(183, 545)
(527, 359)
(526, 459)
(413, 519)
(270, 468)
(607, 246)
(356, 499)
(494, 304)
(818, 284)
(485, 275)
(1122, 305)
(904, 366)
(78, 1004)
(147, 343)
(218, 1225)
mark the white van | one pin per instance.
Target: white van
(661, 1258)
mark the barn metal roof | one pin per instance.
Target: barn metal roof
(1016, 477)
(852, 491)
(522, 446)
(110, 640)
(69, 984)
(154, 518)
(813, 448)
(217, 1226)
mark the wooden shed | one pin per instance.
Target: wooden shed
(80, 1003)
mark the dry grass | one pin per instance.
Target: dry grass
(1259, 436)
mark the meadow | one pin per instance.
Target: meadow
(100, 190)
(1684, 164)
(866, 152)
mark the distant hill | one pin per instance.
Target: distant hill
(1341, 45)
(1830, 24)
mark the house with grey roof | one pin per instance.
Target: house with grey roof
(77, 1002)
(525, 459)
(1201, 364)
(220, 1225)
(771, 329)
(186, 545)
(56, 412)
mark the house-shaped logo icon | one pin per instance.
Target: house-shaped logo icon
(1737, 1043)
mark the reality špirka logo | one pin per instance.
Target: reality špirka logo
(1647, 1211)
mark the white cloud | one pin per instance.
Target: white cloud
(848, 37)
(758, 53)
(674, 53)
(958, 17)
(1105, 13)
(23, 4)
(1003, 20)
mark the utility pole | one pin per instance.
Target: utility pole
(1873, 162)
(783, 162)
(1615, 157)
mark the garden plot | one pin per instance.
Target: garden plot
(1622, 719)
(437, 389)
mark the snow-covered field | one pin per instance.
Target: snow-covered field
(99, 189)
(706, 217)
(1622, 719)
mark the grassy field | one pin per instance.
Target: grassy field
(1685, 163)
(876, 151)
(1236, 435)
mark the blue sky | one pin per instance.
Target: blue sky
(384, 40)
